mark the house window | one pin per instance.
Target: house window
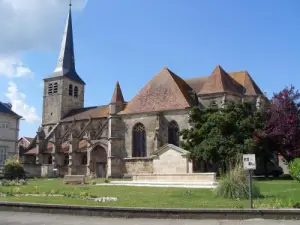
(55, 87)
(75, 91)
(71, 90)
(173, 133)
(139, 141)
(50, 89)
(3, 154)
(4, 125)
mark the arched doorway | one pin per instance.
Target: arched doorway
(98, 161)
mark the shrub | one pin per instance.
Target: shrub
(294, 168)
(13, 169)
(235, 185)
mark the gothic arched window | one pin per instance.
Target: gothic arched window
(75, 91)
(139, 141)
(50, 89)
(173, 133)
(55, 87)
(71, 90)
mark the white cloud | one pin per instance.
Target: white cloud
(19, 105)
(13, 67)
(32, 24)
(29, 25)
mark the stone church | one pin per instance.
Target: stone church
(121, 138)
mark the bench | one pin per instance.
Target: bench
(74, 179)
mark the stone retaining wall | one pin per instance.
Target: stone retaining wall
(192, 177)
(239, 214)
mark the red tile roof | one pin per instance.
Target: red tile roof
(244, 78)
(86, 113)
(220, 82)
(166, 91)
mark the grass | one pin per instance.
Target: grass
(278, 194)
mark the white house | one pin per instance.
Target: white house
(9, 132)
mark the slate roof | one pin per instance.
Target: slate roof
(66, 60)
(86, 113)
(117, 95)
(5, 109)
(166, 91)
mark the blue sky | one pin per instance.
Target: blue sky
(130, 41)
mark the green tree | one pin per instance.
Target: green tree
(13, 169)
(220, 135)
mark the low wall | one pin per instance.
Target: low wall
(63, 170)
(138, 165)
(238, 214)
(33, 170)
(81, 170)
(190, 177)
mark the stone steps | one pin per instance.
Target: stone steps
(162, 184)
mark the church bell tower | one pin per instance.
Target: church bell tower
(63, 88)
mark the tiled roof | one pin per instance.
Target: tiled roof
(244, 78)
(86, 113)
(248, 85)
(29, 139)
(64, 148)
(220, 82)
(196, 83)
(166, 91)
(117, 96)
(5, 109)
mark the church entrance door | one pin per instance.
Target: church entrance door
(98, 161)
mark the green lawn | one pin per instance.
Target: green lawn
(278, 193)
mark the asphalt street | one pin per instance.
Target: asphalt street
(15, 218)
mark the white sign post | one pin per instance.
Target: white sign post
(249, 163)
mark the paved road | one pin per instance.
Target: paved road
(14, 218)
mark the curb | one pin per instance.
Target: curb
(235, 214)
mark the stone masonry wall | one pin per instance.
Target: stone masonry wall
(138, 166)
(149, 120)
(170, 162)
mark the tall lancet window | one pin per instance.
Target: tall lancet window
(139, 141)
(75, 91)
(173, 133)
(50, 89)
(71, 90)
(55, 87)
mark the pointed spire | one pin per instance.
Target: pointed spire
(66, 60)
(117, 96)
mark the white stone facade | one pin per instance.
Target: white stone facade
(9, 134)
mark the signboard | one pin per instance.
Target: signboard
(249, 161)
